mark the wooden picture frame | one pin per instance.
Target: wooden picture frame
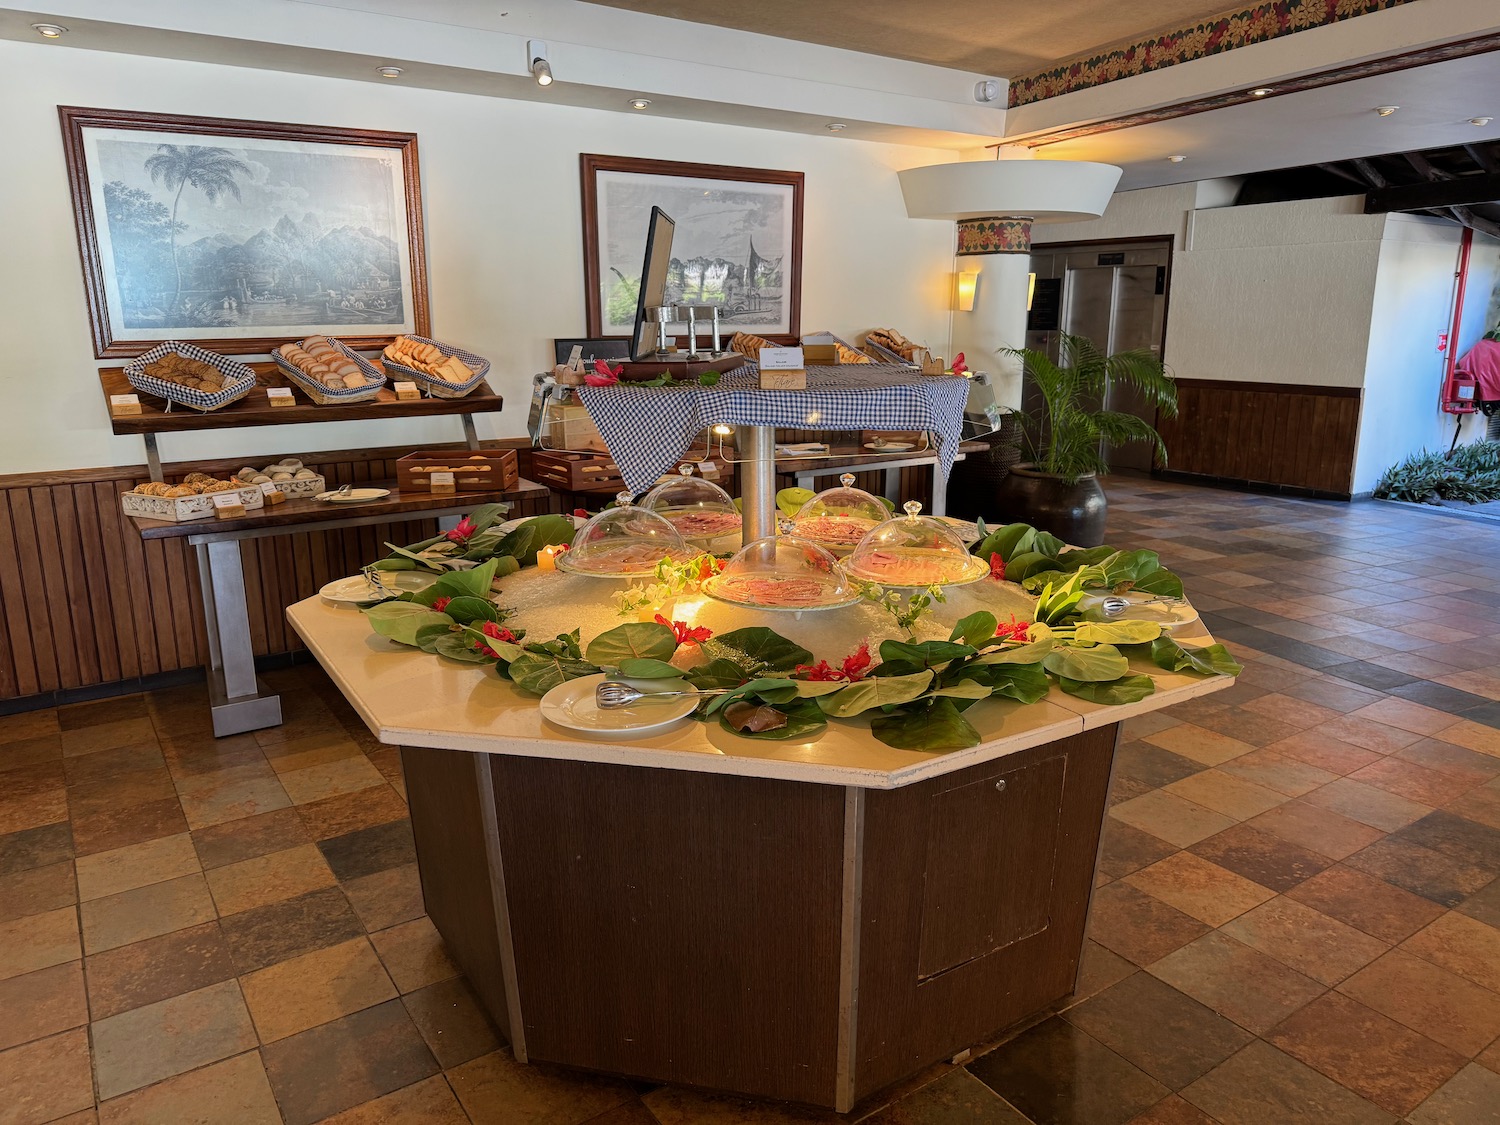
(283, 236)
(753, 282)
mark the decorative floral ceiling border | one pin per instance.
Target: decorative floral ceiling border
(1224, 33)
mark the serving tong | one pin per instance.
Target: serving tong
(612, 694)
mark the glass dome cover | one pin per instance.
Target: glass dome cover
(784, 572)
(700, 510)
(914, 550)
(838, 518)
(626, 541)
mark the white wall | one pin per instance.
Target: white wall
(503, 223)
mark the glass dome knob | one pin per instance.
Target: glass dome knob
(686, 469)
(624, 499)
(911, 508)
(846, 479)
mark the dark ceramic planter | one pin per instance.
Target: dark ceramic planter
(1075, 513)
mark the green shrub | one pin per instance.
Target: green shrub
(1470, 474)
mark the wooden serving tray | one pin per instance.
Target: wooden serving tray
(678, 368)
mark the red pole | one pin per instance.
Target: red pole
(1462, 280)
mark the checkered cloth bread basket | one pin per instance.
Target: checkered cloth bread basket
(328, 396)
(238, 379)
(435, 385)
(884, 355)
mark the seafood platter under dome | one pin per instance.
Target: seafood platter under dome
(914, 551)
(838, 518)
(701, 511)
(784, 572)
(625, 541)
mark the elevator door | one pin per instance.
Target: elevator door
(1114, 296)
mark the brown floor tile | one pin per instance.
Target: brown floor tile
(28, 724)
(1138, 926)
(1382, 738)
(1125, 849)
(1407, 716)
(1316, 829)
(1152, 764)
(27, 781)
(1429, 786)
(1312, 943)
(1058, 1074)
(387, 759)
(1441, 1005)
(1278, 772)
(349, 812)
(1471, 1097)
(1168, 1035)
(47, 1079)
(29, 752)
(1171, 818)
(38, 941)
(1173, 1111)
(195, 755)
(1261, 1085)
(1462, 945)
(429, 1102)
(134, 824)
(1447, 758)
(35, 847)
(37, 890)
(413, 954)
(387, 897)
(103, 764)
(1123, 789)
(1286, 708)
(1333, 694)
(146, 912)
(315, 988)
(1262, 857)
(1226, 794)
(1367, 804)
(1205, 746)
(144, 972)
(1485, 905)
(452, 1021)
(42, 1003)
(268, 878)
(1098, 968)
(342, 1064)
(1433, 875)
(1472, 736)
(368, 850)
(145, 1045)
(33, 811)
(252, 836)
(1376, 1057)
(1243, 984)
(315, 783)
(954, 1098)
(1481, 805)
(675, 1105)
(1366, 903)
(235, 1090)
(76, 716)
(232, 794)
(112, 735)
(92, 798)
(138, 865)
(1323, 751)
(1473, 843)
(1199, 888)
(282, 930)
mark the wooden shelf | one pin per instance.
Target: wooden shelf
(254, 410)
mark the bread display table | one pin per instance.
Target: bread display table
(808, 921)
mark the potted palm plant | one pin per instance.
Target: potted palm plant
(1059, 490)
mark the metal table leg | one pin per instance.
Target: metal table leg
(235, 696)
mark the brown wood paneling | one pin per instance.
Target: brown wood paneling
(1265, 433)
(906, 1021)
(87, 602)
(682, 927)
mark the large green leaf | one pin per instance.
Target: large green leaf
(811, 689)
(517, 543)
(1095, 665)
(1125, 690)
(474, 582)
(647, 668)
(1023, 566)
(930, 727)
(803, 721)
(540, 674)
(1007, 541)
(636, 640)
(1124, 567)
(1212, 660)
(1047, 544)
(719, 673)
(1160, 582)
(768, 689)
(1117, 632)
(458, 646)
(504, 649)
(543, 531)
(877, 691)
(419, 562)
(1076, 557)
(466, 610)
(926, 654)
(402, 621)
(1025, 683)
(975, 629)
(763, 647)
(1031, 653)
(964, 689)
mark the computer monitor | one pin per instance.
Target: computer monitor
(653, 292)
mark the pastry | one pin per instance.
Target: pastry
(893, 341)
(849, 355)
(191, 373)
(748, 346)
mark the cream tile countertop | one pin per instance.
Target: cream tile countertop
(415, 699)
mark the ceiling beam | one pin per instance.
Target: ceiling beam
(1424, 167)
(1483, 157)
(1335, 170)
(1447, 193)
(1367, 170)
(1478, 222)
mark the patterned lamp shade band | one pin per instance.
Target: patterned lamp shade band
(994, 236)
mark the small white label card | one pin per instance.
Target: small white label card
(268, 487)
(228, 505)
(280, 396)
(442, 482)
(781, 359)
(575, 358)
(124, 404)
(406, 390)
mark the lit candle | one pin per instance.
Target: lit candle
(546, 558)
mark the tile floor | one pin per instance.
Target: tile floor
(1297, 918)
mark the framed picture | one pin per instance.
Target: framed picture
(238, 235)
(738, 242)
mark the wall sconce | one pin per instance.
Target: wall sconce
(541, 69)
(964, 284)
(1030, 289)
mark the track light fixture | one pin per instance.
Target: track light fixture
(541, 69)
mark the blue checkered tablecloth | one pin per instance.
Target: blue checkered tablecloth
(648, 429)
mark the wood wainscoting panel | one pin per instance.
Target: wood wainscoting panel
(1279, 434)
(86, 603)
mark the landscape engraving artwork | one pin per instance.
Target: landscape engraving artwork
(232, 240)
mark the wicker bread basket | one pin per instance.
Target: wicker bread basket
(327, 396)
(238, 379)
(436, 386)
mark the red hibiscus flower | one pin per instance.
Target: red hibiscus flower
(685, 633)
(603, 375)
(499, 633)
(462, 532)
(708, 568)
(853, 668)
(1013, 631)
(580, 513)
(441, 604)
(857, 663)
(959, 366)
(997, 567)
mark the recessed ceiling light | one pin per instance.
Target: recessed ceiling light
(1480, 121)
(639, 103)
(541, 69)
(1386, 110)
(49, 30)
(835, 126)
(388, 71)
(1178, 158)
(1261, 92)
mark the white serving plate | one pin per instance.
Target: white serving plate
(354, 590)
(1169, 615)
(571, 705)
(354, 496)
